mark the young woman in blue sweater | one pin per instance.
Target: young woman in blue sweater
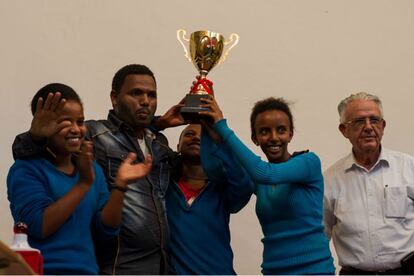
(62, 194)
(289, 190)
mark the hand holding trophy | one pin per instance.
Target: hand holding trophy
(206, 49)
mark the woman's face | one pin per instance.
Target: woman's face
(273, 134)
(69, 139)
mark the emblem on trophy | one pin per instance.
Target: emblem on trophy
(206, 51)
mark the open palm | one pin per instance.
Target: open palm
(128, 171)
(45, 120)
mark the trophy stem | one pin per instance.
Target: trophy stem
(203, 74)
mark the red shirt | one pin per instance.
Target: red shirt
(189, 193)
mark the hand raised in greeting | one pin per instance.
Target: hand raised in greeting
(45, 120)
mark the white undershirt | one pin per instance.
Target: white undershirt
(143, 146)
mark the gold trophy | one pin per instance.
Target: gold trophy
(206, 48)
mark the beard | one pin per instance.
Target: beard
(134, 120)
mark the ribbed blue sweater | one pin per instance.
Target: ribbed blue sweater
(35, 183)
(289, 207)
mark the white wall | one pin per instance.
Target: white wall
(313, 53)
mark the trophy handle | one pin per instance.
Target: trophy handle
(233, 40)
(181, 36)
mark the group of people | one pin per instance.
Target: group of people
(111, 197)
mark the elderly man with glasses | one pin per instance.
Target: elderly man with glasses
(369, 195)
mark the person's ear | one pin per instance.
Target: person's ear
(290, 135)
(254, 139)
(343, 129)
(114, 98)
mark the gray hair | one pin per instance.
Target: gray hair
(358, 96)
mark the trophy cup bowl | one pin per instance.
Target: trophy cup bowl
(206, 51)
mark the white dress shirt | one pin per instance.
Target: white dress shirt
(370, 213)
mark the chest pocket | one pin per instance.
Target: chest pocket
(160, 177)
(396, 201)
(114, 159)
(161, 168)
(399, 205)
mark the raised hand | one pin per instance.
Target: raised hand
(45, 120)
(85, 163)
(128, 171)
(215, 112)
(171, 118)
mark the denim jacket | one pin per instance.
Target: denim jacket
(141, 247)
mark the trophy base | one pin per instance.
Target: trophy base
(192, 107)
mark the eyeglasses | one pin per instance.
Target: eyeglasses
(361, 122)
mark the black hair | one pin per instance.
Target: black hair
(270, 104)
(67, 93)
(131, 69)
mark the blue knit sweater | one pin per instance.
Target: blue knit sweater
(289, 207)
(200, 235)
(35, 183)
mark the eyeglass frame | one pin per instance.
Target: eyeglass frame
(363, 120)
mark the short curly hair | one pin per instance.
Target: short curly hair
(270, 104)
(131, 69)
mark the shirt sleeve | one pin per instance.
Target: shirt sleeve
(221, 167)
(328, 209)
(305, 168)
(102, 231)
(27, 194)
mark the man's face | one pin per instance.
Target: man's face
(364, 126)
(136, 102)
(189, 144)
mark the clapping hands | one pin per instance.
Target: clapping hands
(129, 171)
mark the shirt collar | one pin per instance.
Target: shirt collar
(350, 162)
(115, 121)
(119, 125)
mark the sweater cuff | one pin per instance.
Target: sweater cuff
(107, 231)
